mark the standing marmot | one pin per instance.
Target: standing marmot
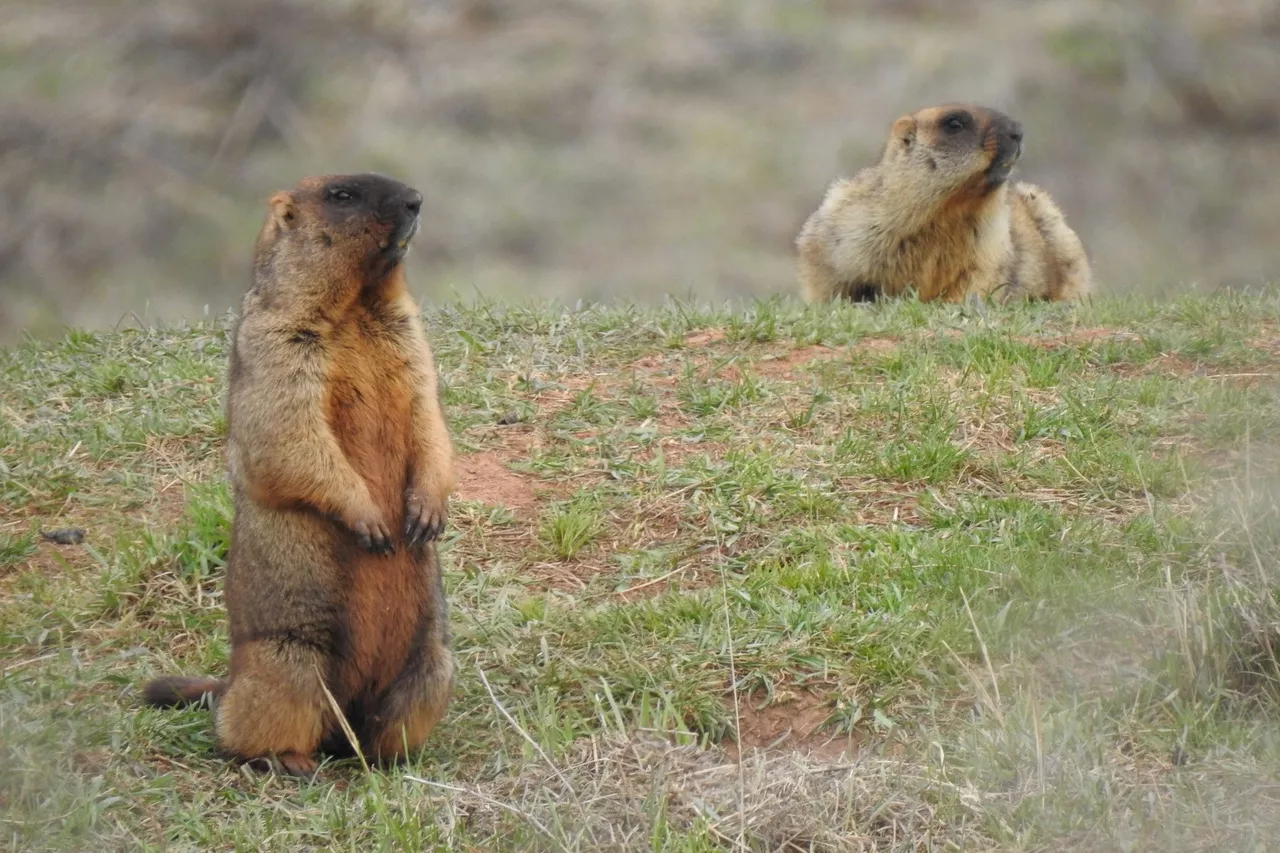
(340, 466)
(937, 213)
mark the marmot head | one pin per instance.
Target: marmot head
(344, 223)
(957, 147)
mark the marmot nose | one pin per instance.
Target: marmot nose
(1015, 132)
(413, 201)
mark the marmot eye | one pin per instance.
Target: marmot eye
(340, 195)
(955, 123)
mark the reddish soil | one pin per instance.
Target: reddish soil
(792, 725)
(702, 337)
(784, 364)
(482, 477)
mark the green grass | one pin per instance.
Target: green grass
(1022, 561)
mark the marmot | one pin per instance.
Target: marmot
(938, 214)
(340, 465)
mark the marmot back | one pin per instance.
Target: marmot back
(340, 466)
(938, 215)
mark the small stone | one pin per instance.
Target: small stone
(65, 535)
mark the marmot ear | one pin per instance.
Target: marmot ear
(282, 210)
(904, 131)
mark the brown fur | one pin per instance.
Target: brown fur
(340, 466)
(938, 215)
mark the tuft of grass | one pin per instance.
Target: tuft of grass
(16, 547)
(569, 526)
(199, 545)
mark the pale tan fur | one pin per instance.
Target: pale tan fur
(939, 216)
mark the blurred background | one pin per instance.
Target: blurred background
(604, 149)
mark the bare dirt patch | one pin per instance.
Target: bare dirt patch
(793, 722)
(648, 363)
(877, 345)
(784, 364)
(703, 337)
(483, 477)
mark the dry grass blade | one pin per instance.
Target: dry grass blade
(737, 707)
(347, 731)
(986, 656)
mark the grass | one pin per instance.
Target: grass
(940, 579)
